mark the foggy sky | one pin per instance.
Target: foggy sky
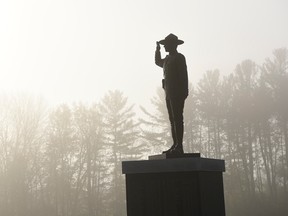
(69, 50)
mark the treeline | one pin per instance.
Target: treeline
(66, 161)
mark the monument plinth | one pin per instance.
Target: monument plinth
(178, 186)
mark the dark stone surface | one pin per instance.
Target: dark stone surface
(173, 165)
(171, 190)
(169, 156)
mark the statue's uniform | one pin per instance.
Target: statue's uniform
(175, 84)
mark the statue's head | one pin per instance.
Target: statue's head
(171, 42)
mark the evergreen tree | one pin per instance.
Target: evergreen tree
(155, 125)
(120, 139)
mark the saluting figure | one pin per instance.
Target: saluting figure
(175, 84)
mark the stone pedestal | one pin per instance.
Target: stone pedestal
(174, 187)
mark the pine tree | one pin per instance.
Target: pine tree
(120, 137)
(155, 125)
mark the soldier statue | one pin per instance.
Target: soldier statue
(175, 85)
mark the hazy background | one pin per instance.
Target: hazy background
(68, 50)
(65, 160)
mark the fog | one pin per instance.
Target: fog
(80, 92)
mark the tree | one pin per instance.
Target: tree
(276, 80)
(208, 97)
(192, 126)
(245, 81)
(60, 154)
(89, 165)
(155, 125)
(22, 118)
(120, 137)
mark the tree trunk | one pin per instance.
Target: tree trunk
(251, 161)
(89, 191)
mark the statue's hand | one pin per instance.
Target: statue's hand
(157, 46)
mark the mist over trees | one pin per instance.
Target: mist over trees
(66, 161)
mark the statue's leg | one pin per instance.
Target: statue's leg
(173, 125)
(177, 110)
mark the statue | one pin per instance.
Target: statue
(175, 85)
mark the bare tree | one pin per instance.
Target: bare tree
(22, 119)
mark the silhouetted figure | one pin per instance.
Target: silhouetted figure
(175, 84)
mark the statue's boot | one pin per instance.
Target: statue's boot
(178, 149)
(174, 137)
(169, 150)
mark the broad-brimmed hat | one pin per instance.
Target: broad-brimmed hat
(172, 39)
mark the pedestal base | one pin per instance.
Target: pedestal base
(175, 187)
(170, 156)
